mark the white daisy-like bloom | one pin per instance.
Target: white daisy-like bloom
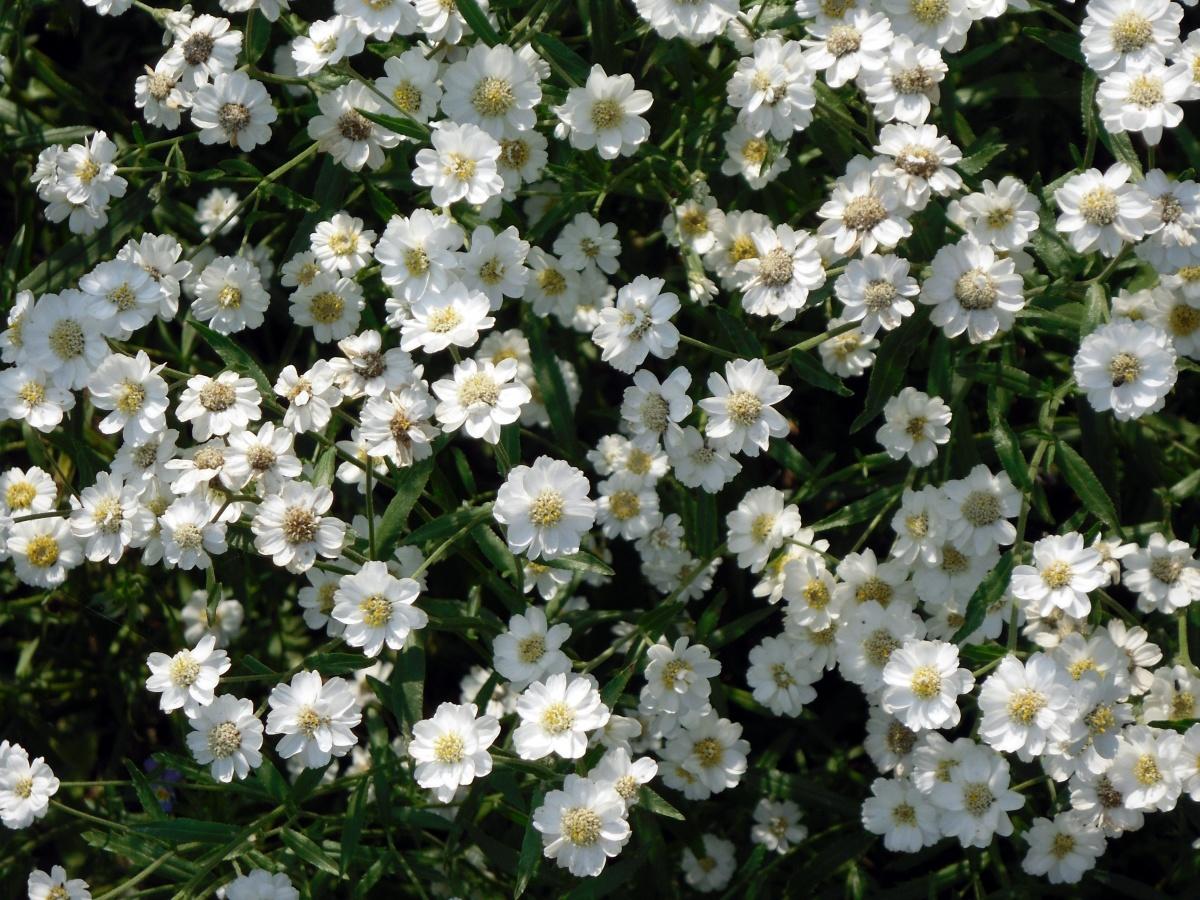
(204, 48)
(396, 425)
(343, 132)
(849, 354)
(545, 508)
(677, 678)
(1174, 694)
(773, 89)
(61, 337)
(864, 579)
(1062, 849)
(922, 682)
(972, 289)
(777, 825)
(776, 281)
(1127, 367)
(443, 22)
(234, 109)
(43, 551)
(638, 325)
(1143, 98)
(733, 241)
(227, 735)
(627, 507)
(216, 406)
(494, 88)
(653, 409)
(259, 884)
(1026, 706)
(265, 458)
(779, 676)
(461, 166)
(215, 210)
(453, 317)
(495, 264)
(317, 719)
(877, 292)
(188, 680)
(188, 533)
(25, 787)
(582, 825)
(292, 527)
(316, 600)
(976, 799)
(919, 162)
(123, 295)
(30, 396)
(1003, 215)
(585, 242)
(556, 716)
(451, 748)
(905, 87)
(553, 287)
(328, 41)
(696, 21)
(697, 463)
(55, 885)
(977, 509)
(741, 413)
(1063, 573)
(868, 637)
(623, 773)
(380, 20)
(230, 296)
(1165, 575)
(752, 157)
(365, 369)
(1174, 241)
(1102, 210)
(1119, 34)
(934, 759)
(711, 749)
(108, 517)
(480, 398)
(760, 525)
(942, 23)
(810, 591)
(418, 255)
(712, 871)
(134, 392)
(1147, 767)
(27, 491)
(410, 82)
(914, 425)
(1099, 803)
(12, 344)
(341, 244)
(529, 650)
(605, 114)
(310, 396)
(864, 211)
(903, 815)
(846, 49)
(919, 527)
(1179, 316)
(1140, 653)
(331, 305)
(269, 8)
(377, 608)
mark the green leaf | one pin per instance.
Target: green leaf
(743, 339)
(338, 663)
(234, 356)
(891, 365)
(258, 35)
(1122, 148)
(308, 850)
(1008, 448)
(181, 831)
(144, 791)
(408, 685)
(531, 850)
(860, 510)
(550, 384)
(1065, 45)
(977, 161)
(582, 562)
(1087, 487)
(1095, 306)
(989, 591)
(410, 484)
(562, 56)
(660, 807)
(478, 21)
(404, 126)
(809, 370)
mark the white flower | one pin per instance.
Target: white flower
(461, 166)
(556, 716)
(366, 369)
(233, 109)
(638, 325)
(292, 527)
(328, 41)
(582, 825)
(942, 24)
(396, 425)
(451, 748)
(310, 397)
(677, 678)
(972, 289)
(1118, 34)
(216, 406)
(108, 517)
(418, 255)
(697, 463)
(711, 749)
(696, 21)
(1026, 705)
(453, 317)
(529, 650)
(125, 297)
(654, 409)
(777, 825)
(62, 337)
(849, 354)
(227, 734)
(204, 48)
(1062, 849)
(1003, 215)
(1063, 574)
(224, 625)
(923, 681)
(30, 396)
(442, 22)
(188, 680)
(754, 158)
(1179, 316)
(43, 550)
(545, 507)
(316, 719)
(1174, 239)
(919, 163)
(905, 88)
(495, 264)
(1143, 98)
(136, 394)
(759, 526)
(1102, 210)
(1128, 367)
(584, 241)
(330, 305)
(876, 291)
(627, 507)
(379, 20)
(1164, 575)
(341, 244)
(773, 89)
(480, 398)
(776, 281)
(864, 211)
(712, 871)
(1174, 694)
(377, 608)
(844, 49)
(215, 210)
(343, 132)
(230, 295)
(410, 81)
(869, 636)
(25, 787)
(56, 885)
(780, 677)
(606, 114)
(904, 816)
(29, 491)
(741, 413)
(494, 88)
(918, 527)
(976, 800)
(976, 510)
(552, 288)
(260, 884)
(1147, 767)
(915, 424)
(624, 774)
